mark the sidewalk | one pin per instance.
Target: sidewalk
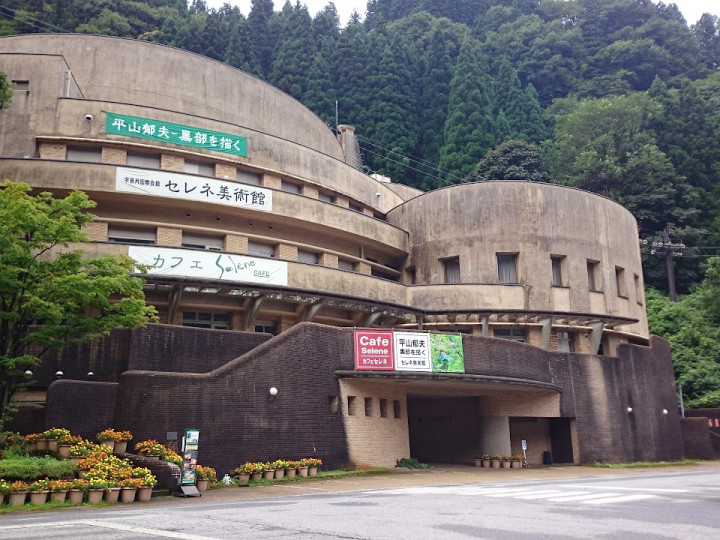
(440, 474)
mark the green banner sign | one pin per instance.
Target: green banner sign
(156, 130)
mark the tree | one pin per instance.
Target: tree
(512, 160)
(51, 294)
(6, 91)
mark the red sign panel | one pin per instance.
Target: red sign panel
(374, 350)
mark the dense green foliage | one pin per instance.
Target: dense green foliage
(619, 97)
(49, 293)
(6, 91)
(22, 467)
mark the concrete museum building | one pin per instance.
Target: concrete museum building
(389, 322)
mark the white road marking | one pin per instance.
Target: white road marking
(580, 497)
(616, 488)
(622, 498)
(108, 525)
(537, 495)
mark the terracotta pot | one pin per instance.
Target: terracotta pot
(58, 496)
(290, 473)
(64, 450)
(109, 444)
(506, 464)
(279, 474)
(269, 475)
(32, 446)
(477, 462)
(312, 471)
(112, 495)
(145, 493)
(17, 499)
(42, 444)
(244, 478)
(127, 495)
(76, 496)
(120, 447)
(82, 472)
(256, 476)
(202, 485)
(495, 463)
(95, 496)
(38, 498)
(486, 463)
(76, 460)
(52, 445)
(303, 471)
(516, 465)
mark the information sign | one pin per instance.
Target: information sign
(190, 454)
(374, 350)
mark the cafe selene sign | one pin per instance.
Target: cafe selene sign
(374, 350)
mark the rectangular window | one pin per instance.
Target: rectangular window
(355, 207)
(383, 408)
(368, 406)
(84, 153)
(566, 342)
(620, 281)
(308, 257)
(21, 86)
(507, 267)
(266, 327)
(397, 410)
(513, 334)
(201, 241)
(344, 264)
(556, 273)
(412, 275)
(352, 406)
(214, 321)
(245, 177)
(128, 235)
(290, 187)
(148, 161)
(259, 249)
(593, 272)
(326, 197)
(452, 270)
(203, 169)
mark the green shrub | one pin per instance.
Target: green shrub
(31, 468)
(411, 463)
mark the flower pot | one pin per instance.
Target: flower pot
(109, 444)
(32, 446)
(58, 496)
(244, 478)
(495, 463)
(506, 464)
(290, 473)
(17, 498)
(279, 473)
(82, 472)
(120, 447)
(486, 463)
(76, 460)
(516, 465)
(269, 474)
(95, 496)
(64, 450)
(312, 471)
(303, 471)
(144, 493)
(38, 498)
(256, 476)
(112, 494)
(477, 462)
(151, 457)
(52, 445)
(202, 485)
(127, 495)
(42, 445)
(76, 496)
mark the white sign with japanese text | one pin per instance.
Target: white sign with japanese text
(412, 351)
(193, 188)
(210, 265)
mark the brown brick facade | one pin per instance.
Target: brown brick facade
(172, 163)
(113, 155)
(53, 151)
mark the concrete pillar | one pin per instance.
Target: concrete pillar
(494, 435)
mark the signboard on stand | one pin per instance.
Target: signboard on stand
(188, 475)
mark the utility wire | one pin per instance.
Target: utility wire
(404, 165)
(12, 13)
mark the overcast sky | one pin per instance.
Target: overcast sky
(691, 9)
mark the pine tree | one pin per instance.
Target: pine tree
(263, 40)
(295, 52)
(240, 53)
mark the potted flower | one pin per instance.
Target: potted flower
(485, 458)
(59, 490)
(291, 468)
(77, 490)
(112, 492)
(516, 461)
(495, 461)
(244, 472)
(506, 461)
(313, 464)
(170, 456)
(150, 449)
(39, 490)
(117, 440)
(129, 489)
(31, 441)
(96, 487)
(147, 480)
(303, 467)
(17, 492)
(54, 436)
(205, 477)
(268, 472)
(279, 465)
(478, 460)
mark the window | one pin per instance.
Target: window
(593, 271)
(344, 264)
(290, 187)
(260, 250)
(245, 177)
(452, 270)
(638, 290)
(507, 268)
(200, 241)
(325, 197)
(513, 334)
(198, 319)
(368, 406)
(266, 327)
(203, 169)
(383, 408)
(566, 342)
(148, 161)
(397, 411)
(21, 86)
(412, 275)
(308, 257)
(352, 406)
(355, 207)
(556, 264)
(84, 153)
(620, 281)
(127, 235)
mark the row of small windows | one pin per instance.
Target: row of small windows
(91, 154)
(369, 407)
(508, 274)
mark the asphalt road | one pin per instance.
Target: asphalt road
(678, 503)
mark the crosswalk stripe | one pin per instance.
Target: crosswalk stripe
(582, 497)
(621, 498)
(537, 495)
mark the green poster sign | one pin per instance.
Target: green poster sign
(156, 130)
(446, 353)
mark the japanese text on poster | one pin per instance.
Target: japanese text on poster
(412, 352)
(374, 350)
(190, 455)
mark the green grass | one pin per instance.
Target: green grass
(645, 464)
(31, 468)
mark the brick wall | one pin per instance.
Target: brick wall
(168, 236)
(113, 155)
(271, 181)
(52, 151)
(285, 251)
(697, 438)
(328, 259)
(172, 163)
(97, 231)
(84, 407)
(235, 244)
(222, 170)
